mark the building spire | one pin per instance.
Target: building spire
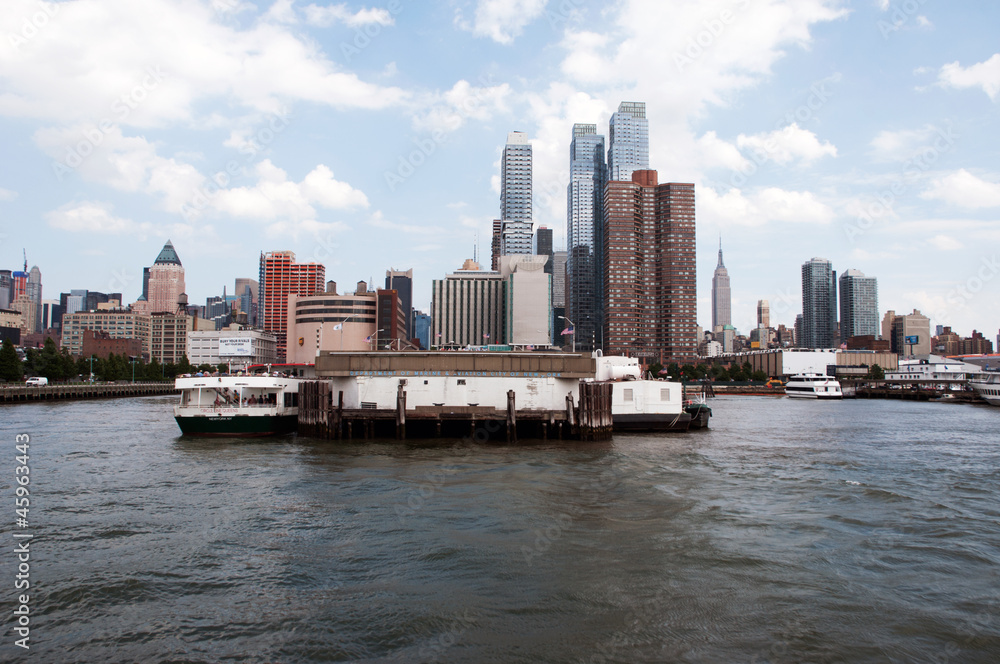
(720, 252)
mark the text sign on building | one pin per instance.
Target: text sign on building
(913, 340)
(235, 347)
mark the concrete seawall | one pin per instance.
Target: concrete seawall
(23, 393)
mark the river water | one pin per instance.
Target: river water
(791, 531)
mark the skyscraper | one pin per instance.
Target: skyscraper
(722, 299)
(33, 291)
(649, 269)
(515, 195)
(763, 313)
(402, 283)
(629, 141)
(819, 304)
(585, 234)
(543, 241)
(166, 281)
(280, 276)
(858, 305)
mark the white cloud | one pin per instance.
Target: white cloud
(449, 110)
(945, 243)
(7, 194)
(92, 217)
(503, 20)
(985, 75)
(761, 207)
(276, 198)
(903, 144)
(783, 145)
(717, 152)
(964, 189)
(324, 16)
(71, 71)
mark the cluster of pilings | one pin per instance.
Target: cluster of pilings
(323, 415)
(20, 393)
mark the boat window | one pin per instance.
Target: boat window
(628, 394)
(665, 394)
(461, 381)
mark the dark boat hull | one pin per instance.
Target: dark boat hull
(647, 422)
(238, 425)
(700, 415)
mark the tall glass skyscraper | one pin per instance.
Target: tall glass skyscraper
(858, 305)
(584, 234)
(515, 195)
(819, 304)
(629, 141)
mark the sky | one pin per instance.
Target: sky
(368, 137)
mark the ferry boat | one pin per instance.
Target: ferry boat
(987, 385)
(253, 404)
(813, 386)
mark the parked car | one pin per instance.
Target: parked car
(36, 381)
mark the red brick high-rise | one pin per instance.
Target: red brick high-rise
(649, 270)
(281, 276)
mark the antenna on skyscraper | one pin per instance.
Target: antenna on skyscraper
(25, 259)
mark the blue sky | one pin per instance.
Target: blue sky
(368, 136)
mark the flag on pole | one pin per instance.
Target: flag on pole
(368, 339)
(439, 334)
(568, 330)
(338, 326)
(486, 335)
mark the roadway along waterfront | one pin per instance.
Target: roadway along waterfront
(791, 531)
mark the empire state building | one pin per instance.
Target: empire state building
(722, 301)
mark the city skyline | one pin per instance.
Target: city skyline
(772, 109)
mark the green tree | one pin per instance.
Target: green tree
(11, 367)
(184, 366)
(68, 364)
(674, 370)
(875, 372)
(51, 362)
(688, 372)
(654, 369)
(759, 376)
(153, 370)
(702, 370)
(222, 367)
(736, 373)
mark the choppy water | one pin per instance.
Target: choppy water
(860, 531)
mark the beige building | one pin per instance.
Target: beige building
(467, 308)
(915, 325)
(118, 323)
(168, 337)
(29, 314)
(166, 281)
(331, 322)
(528, 310)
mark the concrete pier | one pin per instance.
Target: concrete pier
(22, 393)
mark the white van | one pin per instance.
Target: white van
(36, 381)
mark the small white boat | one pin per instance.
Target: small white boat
(813, 386)
(987, 385)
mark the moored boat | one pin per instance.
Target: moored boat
(813, 386)
(237, 405)
(987, 385)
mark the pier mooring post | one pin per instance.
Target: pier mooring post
(511, 418)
